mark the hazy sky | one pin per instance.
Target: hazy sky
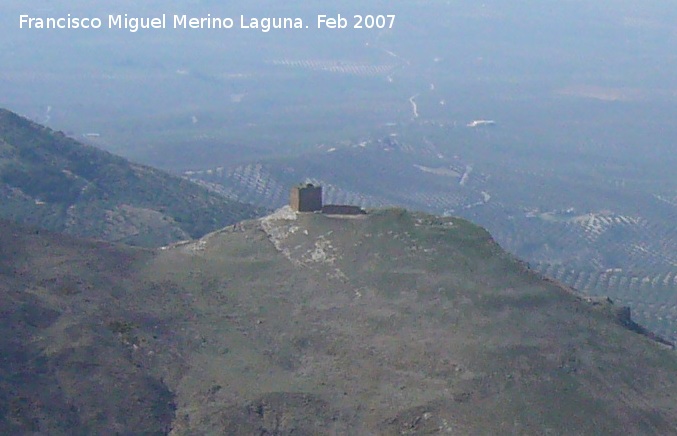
(112, 80)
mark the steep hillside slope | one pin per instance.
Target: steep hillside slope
(52, 181)
(65, 365)
(390, 323)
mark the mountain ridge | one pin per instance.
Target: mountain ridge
(52, 181)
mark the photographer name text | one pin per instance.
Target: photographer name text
(165, 21)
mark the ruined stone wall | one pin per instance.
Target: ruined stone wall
(341, 209)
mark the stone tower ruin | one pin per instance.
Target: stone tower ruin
(306, 198)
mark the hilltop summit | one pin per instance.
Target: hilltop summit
(299, 323)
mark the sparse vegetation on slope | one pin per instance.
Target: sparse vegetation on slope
(52, 181)
(390, 323)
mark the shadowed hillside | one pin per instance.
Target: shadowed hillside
(54, 182)
(390, 323)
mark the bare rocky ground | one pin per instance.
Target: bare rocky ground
(393, 323)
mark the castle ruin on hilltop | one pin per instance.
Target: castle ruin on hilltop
(308, 198)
